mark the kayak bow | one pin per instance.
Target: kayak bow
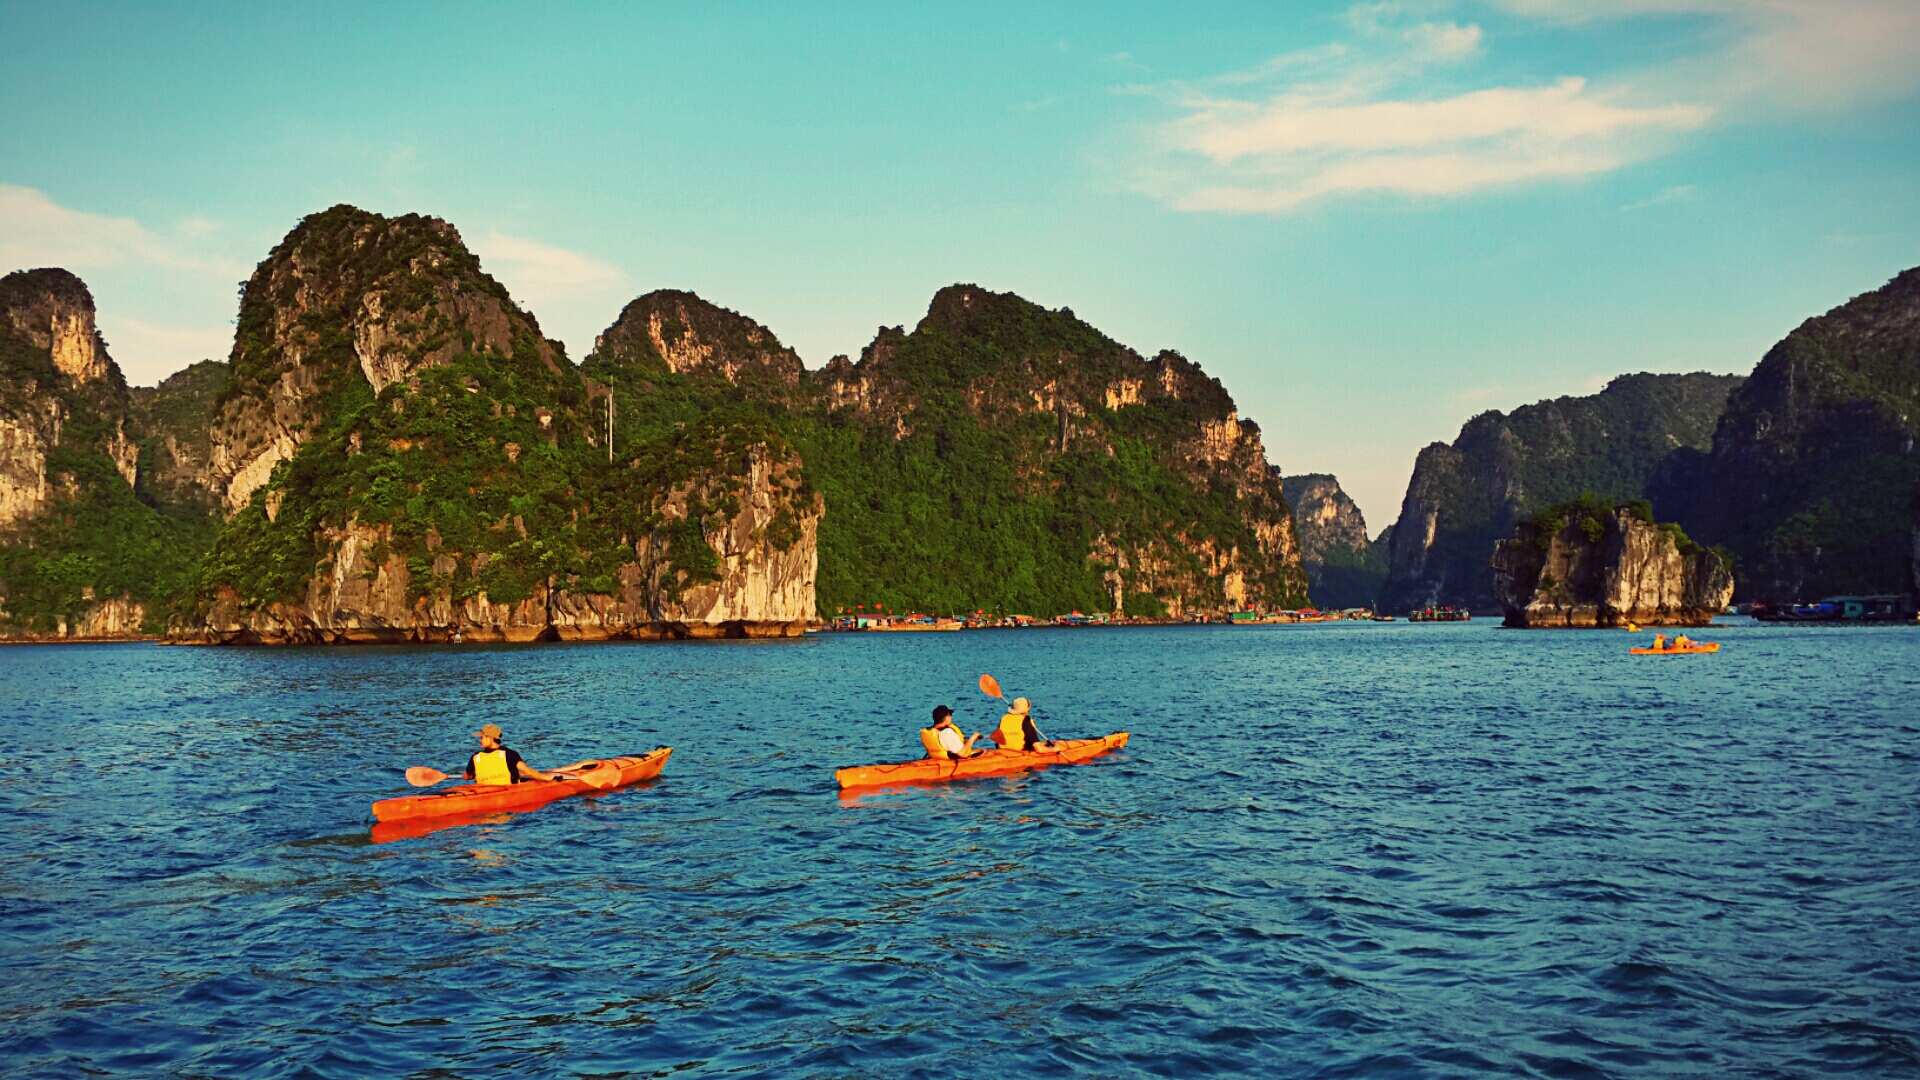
(467, 799)
(991, 763)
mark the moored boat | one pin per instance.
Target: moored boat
(1444, 614)
(991, 763)
(472, 799)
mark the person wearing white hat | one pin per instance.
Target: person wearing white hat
(1017, 731)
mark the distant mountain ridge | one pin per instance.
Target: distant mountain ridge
(1813, 477)
(1465, 497)
(1344, 568)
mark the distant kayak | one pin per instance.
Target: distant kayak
(1699, 646)
(469, 799)
(991, 763)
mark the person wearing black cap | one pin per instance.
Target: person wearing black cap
(944, 739)
(495, 764)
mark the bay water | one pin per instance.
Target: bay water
(1333, 850)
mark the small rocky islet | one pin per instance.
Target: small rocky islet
(393, 451)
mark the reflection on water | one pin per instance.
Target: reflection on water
(1348, 849)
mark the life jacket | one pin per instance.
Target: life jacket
(1013, 731)
(490, 767)
(930, 739)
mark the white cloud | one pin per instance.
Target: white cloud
(1679, 194)
(148, 353)
(35, 231)
(1384, 114)
(1797, 55)
(574, 296)
(534, 271)
(1314, 141)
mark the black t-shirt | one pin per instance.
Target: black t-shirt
(513, 765)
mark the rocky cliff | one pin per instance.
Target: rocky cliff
(1464, 497)
(998, 457)
(1814, 468)
(1344, 569)
(1588, 564)
(393, 451)
(673, 333)
(1006, 457)
(406, 457)
(174, 421)
(82, 554)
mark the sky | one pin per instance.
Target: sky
(1371, 222)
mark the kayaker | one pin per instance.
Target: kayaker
(495, 764)
(1659, 641)
(947, 738)
(1016, 731)
(1682, 641)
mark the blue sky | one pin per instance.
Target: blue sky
(1370, 221)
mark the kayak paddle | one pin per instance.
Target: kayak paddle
(421, 776)
(604, 775)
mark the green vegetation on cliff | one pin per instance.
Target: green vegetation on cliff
(1813, 474)
(483, 464)
(96, 537)
(382, 388)
(946, 488)
(98, 541)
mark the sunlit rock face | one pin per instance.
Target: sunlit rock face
(1344, 568)
(403, 457)
(54, 370)
(350, 295)
(1607, 570)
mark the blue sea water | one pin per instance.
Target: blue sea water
(1334, 850)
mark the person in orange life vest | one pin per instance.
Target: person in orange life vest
(495, 764)
(952, 742)
(1017, 732)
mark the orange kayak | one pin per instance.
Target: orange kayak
(470, 799)
(1698, 646)
(991, 763)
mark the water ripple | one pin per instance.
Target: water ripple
(1329, 851)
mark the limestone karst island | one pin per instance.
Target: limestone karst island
(1337, 539)
(393, 452)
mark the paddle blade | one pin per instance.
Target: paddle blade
(603, 777)
(421, 776)
(990, 686)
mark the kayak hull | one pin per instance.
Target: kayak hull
(1704, 647)
(466, 800)
(991, 763)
